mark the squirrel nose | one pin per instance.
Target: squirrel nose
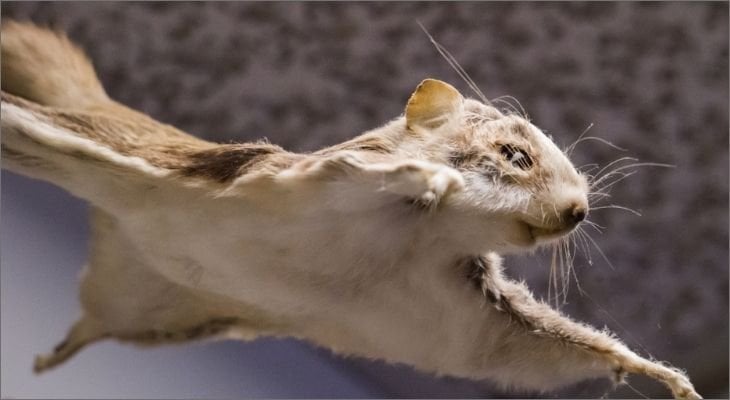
(575, 214)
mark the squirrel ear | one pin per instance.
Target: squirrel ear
(432, 104)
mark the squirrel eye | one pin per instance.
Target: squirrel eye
(518, 157)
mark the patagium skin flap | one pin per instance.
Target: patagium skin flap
(385, 246)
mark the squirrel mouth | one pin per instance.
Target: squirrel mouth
(538, 233)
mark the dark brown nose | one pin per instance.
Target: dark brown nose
(575, 214)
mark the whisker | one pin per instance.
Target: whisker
(553, 280)
(462, 73)
(600, 251)
(614, 162)
(521, 112)
(574, 239)
(561, 265)
(577, 283)
(565, 271)
(592, 165)
(644, 164)
(601, 140)
(636, 390)
(586, 250)
(598, 228)
(569, 149)
(589, 222)
(616, 206)
(622, 176)
(597, 197)
(581, 138)
(454, 64)
(509, 105)
(585, 246)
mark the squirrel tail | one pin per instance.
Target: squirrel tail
(46, 67)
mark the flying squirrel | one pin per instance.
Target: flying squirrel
(386, 246)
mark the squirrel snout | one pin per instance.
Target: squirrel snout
(574, 214)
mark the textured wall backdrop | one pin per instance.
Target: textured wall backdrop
(652, 78)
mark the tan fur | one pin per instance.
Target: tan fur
(372, 247)
(162, 146)
(45, 67)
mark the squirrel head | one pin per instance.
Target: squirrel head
(515, 174)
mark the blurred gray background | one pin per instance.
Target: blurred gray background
(651, 77)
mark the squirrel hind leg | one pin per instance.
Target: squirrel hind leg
(82, 333)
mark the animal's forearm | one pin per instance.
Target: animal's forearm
(554, 350)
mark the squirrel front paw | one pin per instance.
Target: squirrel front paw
(426, 183)
(682, 388)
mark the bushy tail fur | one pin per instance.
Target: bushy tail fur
(46, 67)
